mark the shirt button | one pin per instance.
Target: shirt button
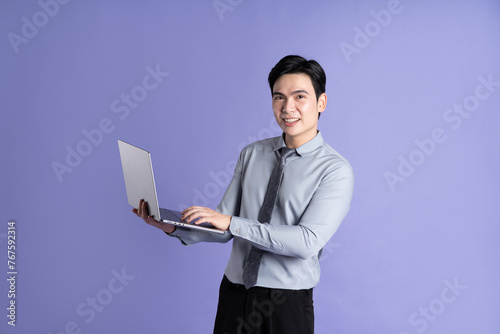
(237, 231)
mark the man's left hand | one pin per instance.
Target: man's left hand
(207, 215)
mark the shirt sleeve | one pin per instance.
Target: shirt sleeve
(326, 210)
(189, 236)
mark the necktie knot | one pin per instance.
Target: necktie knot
(285, 152)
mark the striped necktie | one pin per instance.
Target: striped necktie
(252, 264)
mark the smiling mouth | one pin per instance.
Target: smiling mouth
(290, 120)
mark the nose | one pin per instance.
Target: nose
(288, 106)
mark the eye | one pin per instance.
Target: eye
(300, 96)
(278, 97)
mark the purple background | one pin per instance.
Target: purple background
(387, 269)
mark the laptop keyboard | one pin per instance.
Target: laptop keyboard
(175, 216)
(170, 215)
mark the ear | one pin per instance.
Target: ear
(322, 102)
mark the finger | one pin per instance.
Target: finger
(201, 216)
(185, 212)
(150, 220)
(201, 220)
(139, 208)
(193, 208)
(191, 216)
(145, 211)
(206, 217)
(191, 213)
(187, 209)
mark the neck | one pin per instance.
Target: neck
(293, 142)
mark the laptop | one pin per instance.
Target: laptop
(140, 184)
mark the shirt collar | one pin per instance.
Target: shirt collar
(304, 149)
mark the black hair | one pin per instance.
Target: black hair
(296, 64)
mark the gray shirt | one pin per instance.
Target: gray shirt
(315, 196)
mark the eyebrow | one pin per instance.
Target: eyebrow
(298, 91)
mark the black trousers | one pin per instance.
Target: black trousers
(263, 310)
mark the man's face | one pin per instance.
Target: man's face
(296, 108)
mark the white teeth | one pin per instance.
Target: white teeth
(290, 120)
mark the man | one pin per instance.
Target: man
(274, 263)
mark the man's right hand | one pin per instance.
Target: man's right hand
(143, 213)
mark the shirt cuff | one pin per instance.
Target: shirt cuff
(177, 233)
(238, 227)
